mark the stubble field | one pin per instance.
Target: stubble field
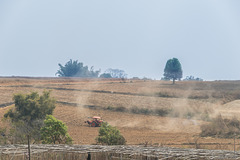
(134, 107)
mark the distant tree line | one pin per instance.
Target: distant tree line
(73, 68)
(172, 71)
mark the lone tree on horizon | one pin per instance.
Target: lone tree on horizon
(173, 70)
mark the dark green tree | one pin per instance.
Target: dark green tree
(76, 69)
(28, 114)
(54, 131)
(105, 75)
(173, 70)
(110, 135)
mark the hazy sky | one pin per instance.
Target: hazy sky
(137, 36)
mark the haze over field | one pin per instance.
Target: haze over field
(136, 36)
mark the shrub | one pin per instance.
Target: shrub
(137, 110)
(28, 114)
(116, 109)
(222, 128)
(110, 108)
(121, 109)
(162, 111)
(110, 135)
(54, 131)
(198, 96)
(166, 94)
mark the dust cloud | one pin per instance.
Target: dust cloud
(184, 111)
(84, 98)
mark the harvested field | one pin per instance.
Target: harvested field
(189, 104)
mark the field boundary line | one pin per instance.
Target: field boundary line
(95, 91)
(6, 104)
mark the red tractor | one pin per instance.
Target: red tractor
(95, 122)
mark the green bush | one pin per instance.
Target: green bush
(28, 114)
(31, 107)
(54, 131)
(110, 135)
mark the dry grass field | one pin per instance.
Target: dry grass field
(134, 107)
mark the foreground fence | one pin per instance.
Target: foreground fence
(96, 152)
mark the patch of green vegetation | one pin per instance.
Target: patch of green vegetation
(110, 135)
(27, 124)
(54, 131)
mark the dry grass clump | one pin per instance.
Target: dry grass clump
(230, 96)
(189, 113)
(222, 128)
(138, 110)
(157, 111)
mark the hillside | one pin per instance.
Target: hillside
(134, 107)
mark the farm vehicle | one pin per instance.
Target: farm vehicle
(95, 122)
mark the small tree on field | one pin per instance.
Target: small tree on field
(54, 131)
(110, 135)
(173, 70)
